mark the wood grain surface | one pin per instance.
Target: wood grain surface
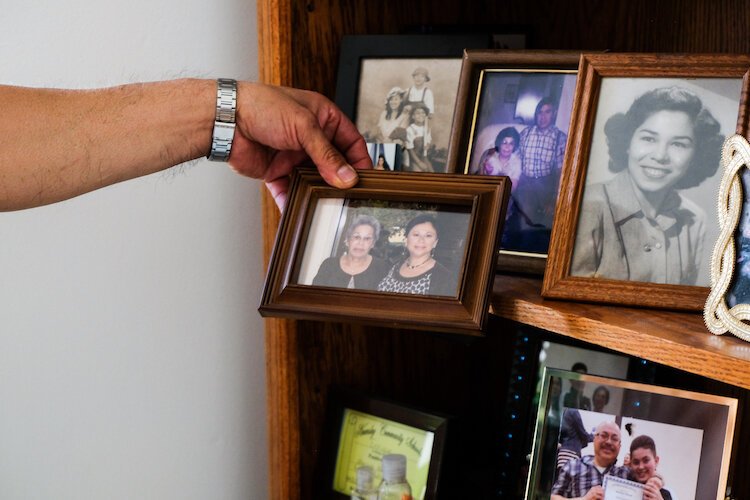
(299, 46)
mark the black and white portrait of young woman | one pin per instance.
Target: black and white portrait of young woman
(648, 212)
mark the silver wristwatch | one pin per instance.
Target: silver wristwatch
(226, 106)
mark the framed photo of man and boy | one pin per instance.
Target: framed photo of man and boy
(635, 221)
(511, 119)
(399, 249)
(651, 442)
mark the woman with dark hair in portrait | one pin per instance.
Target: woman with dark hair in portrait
(381, 164)
(419, 272)
(503, 159)
(393, 120)
(637, 226)
(356, 268)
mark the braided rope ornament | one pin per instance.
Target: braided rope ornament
(719, 319)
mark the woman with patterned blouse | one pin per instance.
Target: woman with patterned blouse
(419, 272)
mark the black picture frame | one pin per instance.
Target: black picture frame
(414, 51)
(381, 426)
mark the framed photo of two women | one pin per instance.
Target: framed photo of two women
(399, 249)
(636, 218)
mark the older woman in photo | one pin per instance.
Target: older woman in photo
(419, 272)
(503, 159)
(637, 226)
(356, 268)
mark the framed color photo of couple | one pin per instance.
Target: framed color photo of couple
(512, 119)
(636, 219)
(399, 249)
(668, 442)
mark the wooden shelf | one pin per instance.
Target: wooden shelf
(299, 46)
(677, 339)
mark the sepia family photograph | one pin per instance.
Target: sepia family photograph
(409, 103)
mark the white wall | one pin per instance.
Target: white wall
(131, 352)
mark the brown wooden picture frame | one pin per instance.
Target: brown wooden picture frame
(477, 68)
(483, 199)
(559, 281)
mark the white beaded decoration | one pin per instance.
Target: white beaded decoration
(718, 317)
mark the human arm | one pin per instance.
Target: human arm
(584, 437)
(57, 144)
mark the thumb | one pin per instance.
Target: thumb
(329, 161)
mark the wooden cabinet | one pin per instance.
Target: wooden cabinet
(299, 47)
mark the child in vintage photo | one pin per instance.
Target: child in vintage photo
(418, 141)
(420, 92)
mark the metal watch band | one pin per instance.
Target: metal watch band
(226, 107)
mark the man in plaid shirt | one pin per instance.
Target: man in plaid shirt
(582, 478)
(542, 149)
(542, 145)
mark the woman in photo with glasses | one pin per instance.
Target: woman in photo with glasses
(356, 268)
(503, 159)
(638, 226)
